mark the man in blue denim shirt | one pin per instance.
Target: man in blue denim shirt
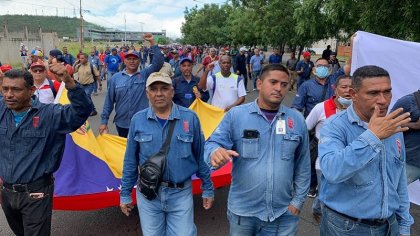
(32, 139)
(268, 144)
(126, 90)
(172, 212)
(362, 158)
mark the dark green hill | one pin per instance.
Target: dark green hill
(64, 26)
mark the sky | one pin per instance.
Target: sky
(152, 15)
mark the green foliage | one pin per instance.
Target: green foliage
(297, 22)
(64, 26)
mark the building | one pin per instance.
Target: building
(117, 35)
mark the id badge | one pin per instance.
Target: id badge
(188, 96)
(281, 127)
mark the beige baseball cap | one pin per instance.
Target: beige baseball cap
(158, 77)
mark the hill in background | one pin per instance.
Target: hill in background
(64, 26)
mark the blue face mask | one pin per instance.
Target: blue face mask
(345, 102)
(322, 72)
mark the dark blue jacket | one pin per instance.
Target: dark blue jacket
(184, 95)
(35, 147)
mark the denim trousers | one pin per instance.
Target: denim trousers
(333, 224)
(171, 213)
(255, 76)
(285, 225)
(27, 215)
(89, 90)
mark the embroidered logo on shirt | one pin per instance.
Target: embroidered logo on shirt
(35, 121)
(186, 126)
(399, 146)
(290, 123)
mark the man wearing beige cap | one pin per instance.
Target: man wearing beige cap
(170, 211)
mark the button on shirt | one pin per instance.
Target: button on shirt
(184, 158)
(273, 170)
(34, 147)
(363, 177)
(128, 93)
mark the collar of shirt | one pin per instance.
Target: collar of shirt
(354, 118)
(193, 78)
(174, 113)
(124, 72)
(254, 108)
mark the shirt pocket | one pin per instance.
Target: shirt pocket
(32, 137)
(366, 175)
(290, 143)
(250, 148)
(145, 143)
(3, 131)
(184, 142)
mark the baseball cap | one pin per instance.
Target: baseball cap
(306, 54)
(37, 64)
(132, 53)
(158, 77)
(55, 53)
(174, 51)
(113, 49)
(243, 49)
(184, 60)
(5, 68)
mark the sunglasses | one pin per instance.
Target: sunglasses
(38, 70)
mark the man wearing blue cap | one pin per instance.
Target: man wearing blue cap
(127, 90)
(112, 63)
(185, 94)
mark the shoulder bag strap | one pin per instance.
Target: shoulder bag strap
(165, 147)
(417, 97)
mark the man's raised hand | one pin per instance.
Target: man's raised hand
(384, 127)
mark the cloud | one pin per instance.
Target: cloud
(156, 15)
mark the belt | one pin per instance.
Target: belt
(87, 84)
(169, 184)
(37, 184)
(370, 222)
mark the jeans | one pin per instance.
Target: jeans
(413, 173)
(171, 213)
(26, 215)
(255, 76)
(244, 74)
(109, 75)
(89, 90)
(333, 224)
(95, 87)
(286, 224)
(316, 205)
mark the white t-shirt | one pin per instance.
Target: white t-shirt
(227, 90)
(44, 93)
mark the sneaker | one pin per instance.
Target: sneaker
(93, 113)
(95, 94)
(312, 192)
(254, 89)
(248, 91)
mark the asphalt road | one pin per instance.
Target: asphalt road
(213, 222)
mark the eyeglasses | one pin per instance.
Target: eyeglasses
(37, 70)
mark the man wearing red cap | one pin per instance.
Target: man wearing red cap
(46, 89)
(3, 69)
(304, 68)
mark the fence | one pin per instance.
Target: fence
(10, 43)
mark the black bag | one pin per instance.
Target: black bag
(151, 171)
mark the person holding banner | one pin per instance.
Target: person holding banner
(170, 211)
(362, 159)
(269, 146)
(32, 137)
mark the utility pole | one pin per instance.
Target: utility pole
(81, 26)
(141, 23)
(125, 30)
(56, 11)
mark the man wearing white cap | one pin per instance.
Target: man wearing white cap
(170, 211)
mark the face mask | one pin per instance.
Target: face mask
(345, 102)
(322, 72)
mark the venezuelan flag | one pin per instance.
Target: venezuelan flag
(90, 173)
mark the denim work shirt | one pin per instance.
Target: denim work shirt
(311, 91)
(35, 147)
(307, 69)
(128, 93)
(184, 94)
(271, 171)
(363, 177)
(185, 156)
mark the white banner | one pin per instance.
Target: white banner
(401, 60)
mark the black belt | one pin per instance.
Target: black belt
(87, 84)
(37, 184)
(172, 185)
(370, 222)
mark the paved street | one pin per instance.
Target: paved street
(213, 222)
